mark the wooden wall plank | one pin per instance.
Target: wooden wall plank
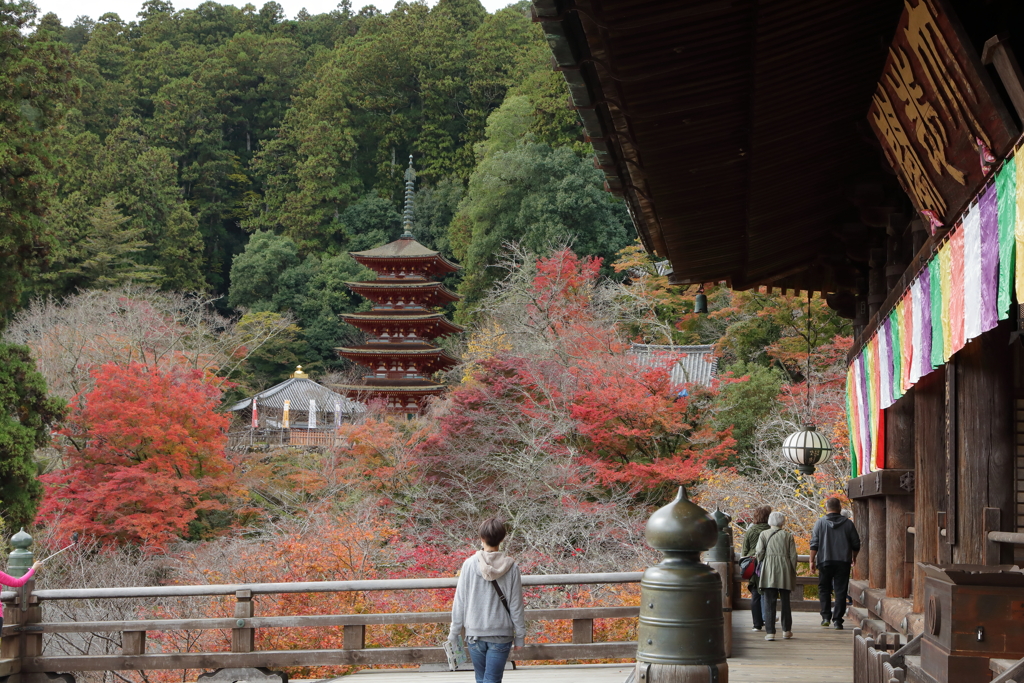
(899, 455)
(897, 583)
(861, 519)
(929, 466)
(877, 532)
(899, 434)
(984, 439)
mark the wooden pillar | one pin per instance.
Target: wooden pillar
(861, 520)
(899, 454)
(984, 463)
(929, 466)
(876, 540)
(897, 579)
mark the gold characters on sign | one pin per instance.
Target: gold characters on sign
(929, 95)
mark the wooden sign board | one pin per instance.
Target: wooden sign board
(936, 113)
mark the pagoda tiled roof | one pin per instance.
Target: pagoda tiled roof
(365, 354)
(395, 314)
(404, 283)
(403, 249)
(432, 388)
(393, 350)
(404, 317)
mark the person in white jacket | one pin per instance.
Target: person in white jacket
(489, 605)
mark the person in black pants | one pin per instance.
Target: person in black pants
(753, 533)
(835, 544)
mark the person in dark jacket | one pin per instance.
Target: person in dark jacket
(834, 547)
(749, 546)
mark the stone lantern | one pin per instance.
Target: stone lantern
(681, 634)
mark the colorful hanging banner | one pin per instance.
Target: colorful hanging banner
(964, 291)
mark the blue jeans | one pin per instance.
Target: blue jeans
(489, 660)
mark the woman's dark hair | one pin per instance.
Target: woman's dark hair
(761, 514)
(492, 531)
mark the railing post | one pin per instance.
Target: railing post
(582, 630)
(25, 612)
(243, 639)
(27, 609)
(133, 643)
(720, 559)
(354, 637)
(680, 631)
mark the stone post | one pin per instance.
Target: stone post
(681, 625)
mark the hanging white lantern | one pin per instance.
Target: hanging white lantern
(806, 449)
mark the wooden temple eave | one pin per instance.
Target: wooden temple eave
(378, 291)
(370, 387)
(407, 267)
(733, 144)
(426, 360)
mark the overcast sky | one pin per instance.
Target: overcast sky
(67, 10)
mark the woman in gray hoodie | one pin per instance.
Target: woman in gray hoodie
(489, 605)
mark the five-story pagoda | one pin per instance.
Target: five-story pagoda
(404, 320)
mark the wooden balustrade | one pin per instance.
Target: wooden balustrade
(23, 632)
(798, 601)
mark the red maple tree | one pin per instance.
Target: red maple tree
(144, 457)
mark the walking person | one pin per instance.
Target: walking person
(489, 605)
(776, 558)
(753, 532)
(834, 547)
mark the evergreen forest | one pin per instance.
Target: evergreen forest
(240, 154)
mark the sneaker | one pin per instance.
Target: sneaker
(825, 623)
(787, 635)
(770, 636)
(837, 626)
(757, 628)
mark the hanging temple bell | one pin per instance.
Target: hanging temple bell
(681, 635)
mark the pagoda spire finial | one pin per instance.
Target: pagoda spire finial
(410, 192)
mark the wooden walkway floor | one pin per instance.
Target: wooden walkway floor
(814, 655)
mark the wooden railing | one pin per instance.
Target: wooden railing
(22, 650)
(262, 439)
(798, 601)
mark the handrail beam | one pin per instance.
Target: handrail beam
(1006, 537)
(286, 658)
(316, 620)
(313, 587)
